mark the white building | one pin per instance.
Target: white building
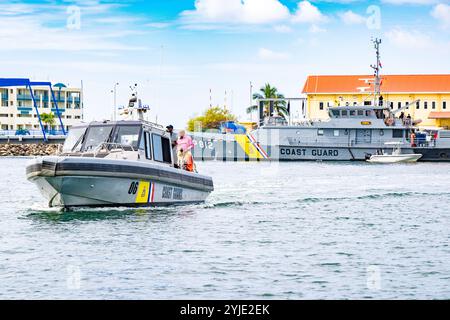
(17, 110)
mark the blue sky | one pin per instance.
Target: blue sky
(177, 50)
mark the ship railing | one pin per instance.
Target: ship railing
(350, 144)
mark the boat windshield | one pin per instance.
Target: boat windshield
(96, 136)
(127, 136)
(74, 140)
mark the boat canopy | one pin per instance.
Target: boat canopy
(90, 137)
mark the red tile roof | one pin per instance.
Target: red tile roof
(424, 83)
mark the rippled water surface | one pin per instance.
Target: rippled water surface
(287, 231)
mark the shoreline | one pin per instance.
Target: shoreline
(28, 150)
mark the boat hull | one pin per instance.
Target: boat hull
(229, 147)
(402, 158)
(64, 186)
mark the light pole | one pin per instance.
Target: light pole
(251, 100)
(115, 100)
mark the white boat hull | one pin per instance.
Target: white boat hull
(401, 158)
(78, 182)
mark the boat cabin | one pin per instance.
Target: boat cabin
(133, 140)
(359, 112)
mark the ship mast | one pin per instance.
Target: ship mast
(376, 68)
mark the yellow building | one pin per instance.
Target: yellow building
(427, 97)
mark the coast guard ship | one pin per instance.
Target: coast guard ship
(351, 133)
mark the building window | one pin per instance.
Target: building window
(444, 105)
(399, 105)
(433, 105)
(392, 106)
(425, 105)
(320, 105)
(418, 105)
(407, 105)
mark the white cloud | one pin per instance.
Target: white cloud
(158, 25)
(441, 12)
(410, 39)
(316, 29)
(282, 28)
(308, 13)
(235, 12)
(350, 18)
(400, 2)
(98, 31)
(267, 54)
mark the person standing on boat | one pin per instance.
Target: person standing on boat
(173, 138)
(413, 139)
(184, 141)
(185, 146)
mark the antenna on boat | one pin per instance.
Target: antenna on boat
(376, 68)
(135, 104)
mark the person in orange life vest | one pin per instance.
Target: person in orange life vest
(413, 139)
(186, 161)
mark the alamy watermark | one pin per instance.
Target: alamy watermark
(373, 278)
(73, 279)
(73, 21)
(373, 21)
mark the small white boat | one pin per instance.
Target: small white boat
(395, 157)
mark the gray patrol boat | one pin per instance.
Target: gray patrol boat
(121, 163)
(350, 133)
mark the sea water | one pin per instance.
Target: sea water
(309, 230)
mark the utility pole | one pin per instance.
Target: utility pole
(210, 98)
(115, 100)
(82, 101)
(251, 100)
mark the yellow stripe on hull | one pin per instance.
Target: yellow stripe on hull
(143, 191)
(248, 147)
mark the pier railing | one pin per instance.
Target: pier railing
(32, 133)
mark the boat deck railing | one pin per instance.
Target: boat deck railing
(110, 146)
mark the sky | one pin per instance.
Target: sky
(178, 51)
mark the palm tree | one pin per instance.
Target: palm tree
(269, 92)
(48, 119)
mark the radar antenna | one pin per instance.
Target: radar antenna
(376, 68)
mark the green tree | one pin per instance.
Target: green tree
(269, 92)
(211, 118)
(48, 119)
